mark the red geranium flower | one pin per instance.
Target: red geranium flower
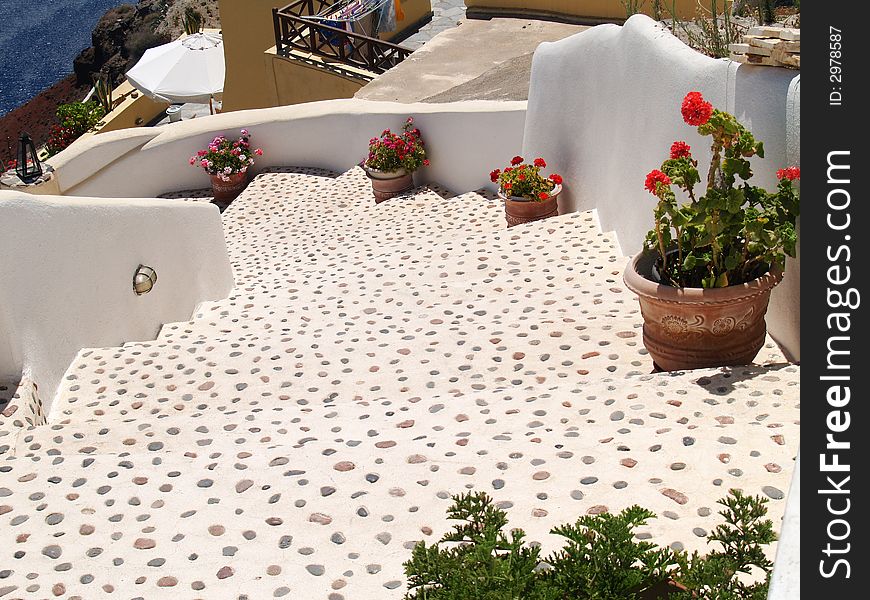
(539, 162)
(516, 160)
(556, 178)
(653, 178)
(543, 195)
(696, 111)
(790, 173)
(493, 175)
(681, 150)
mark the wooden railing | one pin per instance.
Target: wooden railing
(295, 29)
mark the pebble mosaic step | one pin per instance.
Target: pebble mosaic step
(295, 439)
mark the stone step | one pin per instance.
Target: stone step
(20, 404)
(306, 227)
(486, 265)
(354, 494)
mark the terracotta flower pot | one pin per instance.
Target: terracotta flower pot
(387, 184)
(518, 210)
(226, 191)
(693, 328)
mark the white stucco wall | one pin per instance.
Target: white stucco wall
(604, 108)
(464, 140)
(66, 275)
(785, 582)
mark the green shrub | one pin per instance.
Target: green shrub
(482, 563)
(716, 575)
(601, 559)
(75, 119)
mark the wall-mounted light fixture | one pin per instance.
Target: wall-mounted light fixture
(144, 279)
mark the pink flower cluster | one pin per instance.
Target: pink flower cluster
(394, 151)
(224, 157)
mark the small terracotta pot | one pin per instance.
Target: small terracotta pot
(694, 328)
(388, 184)
(518, 210)
(226, 191)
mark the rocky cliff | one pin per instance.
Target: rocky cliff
(124, 33)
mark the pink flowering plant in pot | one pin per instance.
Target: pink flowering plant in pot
(224, 157)
(392, 160)
(711, 261)
(734, 231)
(396, 151)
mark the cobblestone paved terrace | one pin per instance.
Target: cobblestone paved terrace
(295, 439)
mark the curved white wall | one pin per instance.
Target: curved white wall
(604, 108)
(66, 275)
(465, 141)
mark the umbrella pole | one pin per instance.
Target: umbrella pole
(210, 105)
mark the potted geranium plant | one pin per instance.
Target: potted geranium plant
(528, 195)
(709, 263)
(227, 162)
(392, 160)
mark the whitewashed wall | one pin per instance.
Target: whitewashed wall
(465, 141)
(604, 108)
(66, 276)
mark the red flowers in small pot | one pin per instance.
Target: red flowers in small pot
(528, 195)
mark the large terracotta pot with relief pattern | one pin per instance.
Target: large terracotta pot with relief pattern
(694, 328)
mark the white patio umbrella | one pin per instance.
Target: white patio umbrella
(190, 69)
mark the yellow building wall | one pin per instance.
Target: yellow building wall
(294, 82)
(248, 32)
(246, 26)
(134, 109)
(591, 9)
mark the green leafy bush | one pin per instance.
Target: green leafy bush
(601, 560)
(74, 119)
(716, 575)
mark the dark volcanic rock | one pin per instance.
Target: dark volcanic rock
(120, 38)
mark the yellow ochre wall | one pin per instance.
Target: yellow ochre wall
(252, 81)
(294, 82)
(130, 111)
(580, 9)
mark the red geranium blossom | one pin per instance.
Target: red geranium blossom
(681, 150)
(653, 178)
(526, 180)
(790, 173)
(696, 111)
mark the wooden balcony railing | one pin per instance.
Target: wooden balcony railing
(297, 27)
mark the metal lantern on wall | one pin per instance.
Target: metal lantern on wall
(28, 168)
(144, 279)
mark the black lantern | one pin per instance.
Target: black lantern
(28, 167)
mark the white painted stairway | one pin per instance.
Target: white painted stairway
(295, 439)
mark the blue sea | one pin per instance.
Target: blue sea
(39, 40)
